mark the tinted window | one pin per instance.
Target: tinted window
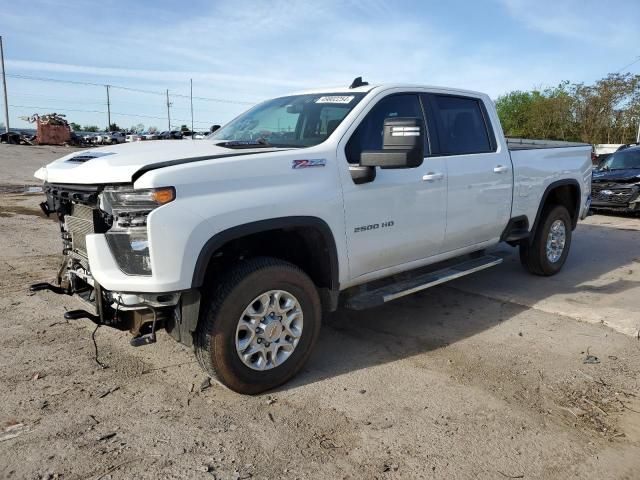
(368, 135)
(461, 125)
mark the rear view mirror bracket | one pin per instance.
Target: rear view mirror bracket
(362, 174)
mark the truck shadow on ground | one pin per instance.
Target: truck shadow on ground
(603, 261)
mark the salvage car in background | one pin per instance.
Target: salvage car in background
(114, 137)
(171, 135)
(150, 136)
(616, 183)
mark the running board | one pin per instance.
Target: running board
(377, 297)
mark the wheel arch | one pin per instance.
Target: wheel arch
(561, 192)
(306, 227)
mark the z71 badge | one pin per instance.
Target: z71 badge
(321, 162)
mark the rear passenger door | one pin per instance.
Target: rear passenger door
(479, 173)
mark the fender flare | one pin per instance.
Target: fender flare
(239, 231)
(552, 186)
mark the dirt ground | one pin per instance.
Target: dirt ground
(497, 376)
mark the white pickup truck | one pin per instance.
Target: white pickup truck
(305, 203)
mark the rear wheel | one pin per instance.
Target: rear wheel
(259, 326)
(548, 251)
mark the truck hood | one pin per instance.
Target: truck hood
(120, 163)
(631, 175)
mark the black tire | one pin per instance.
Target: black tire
(215, 336)
(533, 255)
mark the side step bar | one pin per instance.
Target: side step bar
(377, 297)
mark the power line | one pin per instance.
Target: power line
(632, 63)
(131, 89)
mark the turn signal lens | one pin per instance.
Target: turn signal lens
(164, 195)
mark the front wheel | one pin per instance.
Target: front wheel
(259, 325)
(548, 251)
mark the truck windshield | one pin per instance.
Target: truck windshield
(294, 121)
(622, 160)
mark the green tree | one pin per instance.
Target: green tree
(113, 128)
(606, 112)
(90, 128)
(76, 127)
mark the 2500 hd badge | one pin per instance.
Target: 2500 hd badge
(373, 226)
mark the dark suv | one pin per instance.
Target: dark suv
(616, 182)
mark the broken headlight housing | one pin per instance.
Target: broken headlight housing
(128, 238)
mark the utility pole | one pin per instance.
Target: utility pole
(637, 134)
(4, 86)
(108, 109)
(191, 96)
(168, 110)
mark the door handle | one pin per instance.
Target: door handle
(432, 176)
(500, 169)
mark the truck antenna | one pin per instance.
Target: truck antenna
(357, 82)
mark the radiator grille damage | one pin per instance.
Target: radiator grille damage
(80, 224)
(77, 208)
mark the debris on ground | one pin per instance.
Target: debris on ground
(590, 359)
(506, 475)
(390, 467)
(108, 391)
(13, 431)
(206, 383)
(106, 436)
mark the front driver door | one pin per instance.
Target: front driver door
(400, 216)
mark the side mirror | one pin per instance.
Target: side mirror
(402, 145)
(362, 175)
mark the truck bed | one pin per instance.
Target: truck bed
(530, 144)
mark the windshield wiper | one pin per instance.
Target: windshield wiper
(261, 142)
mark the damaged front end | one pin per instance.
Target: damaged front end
(621, 196)
(120, 214)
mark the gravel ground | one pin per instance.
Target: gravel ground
(459, 381)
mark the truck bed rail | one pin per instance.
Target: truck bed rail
(530, 144)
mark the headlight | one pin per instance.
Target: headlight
(121, 198)
(128, 237)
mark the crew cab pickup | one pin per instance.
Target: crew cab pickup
(306, 203)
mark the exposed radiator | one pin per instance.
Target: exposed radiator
(80, 224)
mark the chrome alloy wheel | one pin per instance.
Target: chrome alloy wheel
(556, 240)
(269, 330)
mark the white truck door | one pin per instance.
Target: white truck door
(398, 217)
(480, 173)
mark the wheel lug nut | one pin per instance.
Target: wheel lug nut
(267, 344)
(259, 340)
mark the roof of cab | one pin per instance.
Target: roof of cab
(405, 86)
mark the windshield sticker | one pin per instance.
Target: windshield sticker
(336, 99)
(320, 162)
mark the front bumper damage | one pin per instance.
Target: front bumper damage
(620, 197)
(82, 228)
